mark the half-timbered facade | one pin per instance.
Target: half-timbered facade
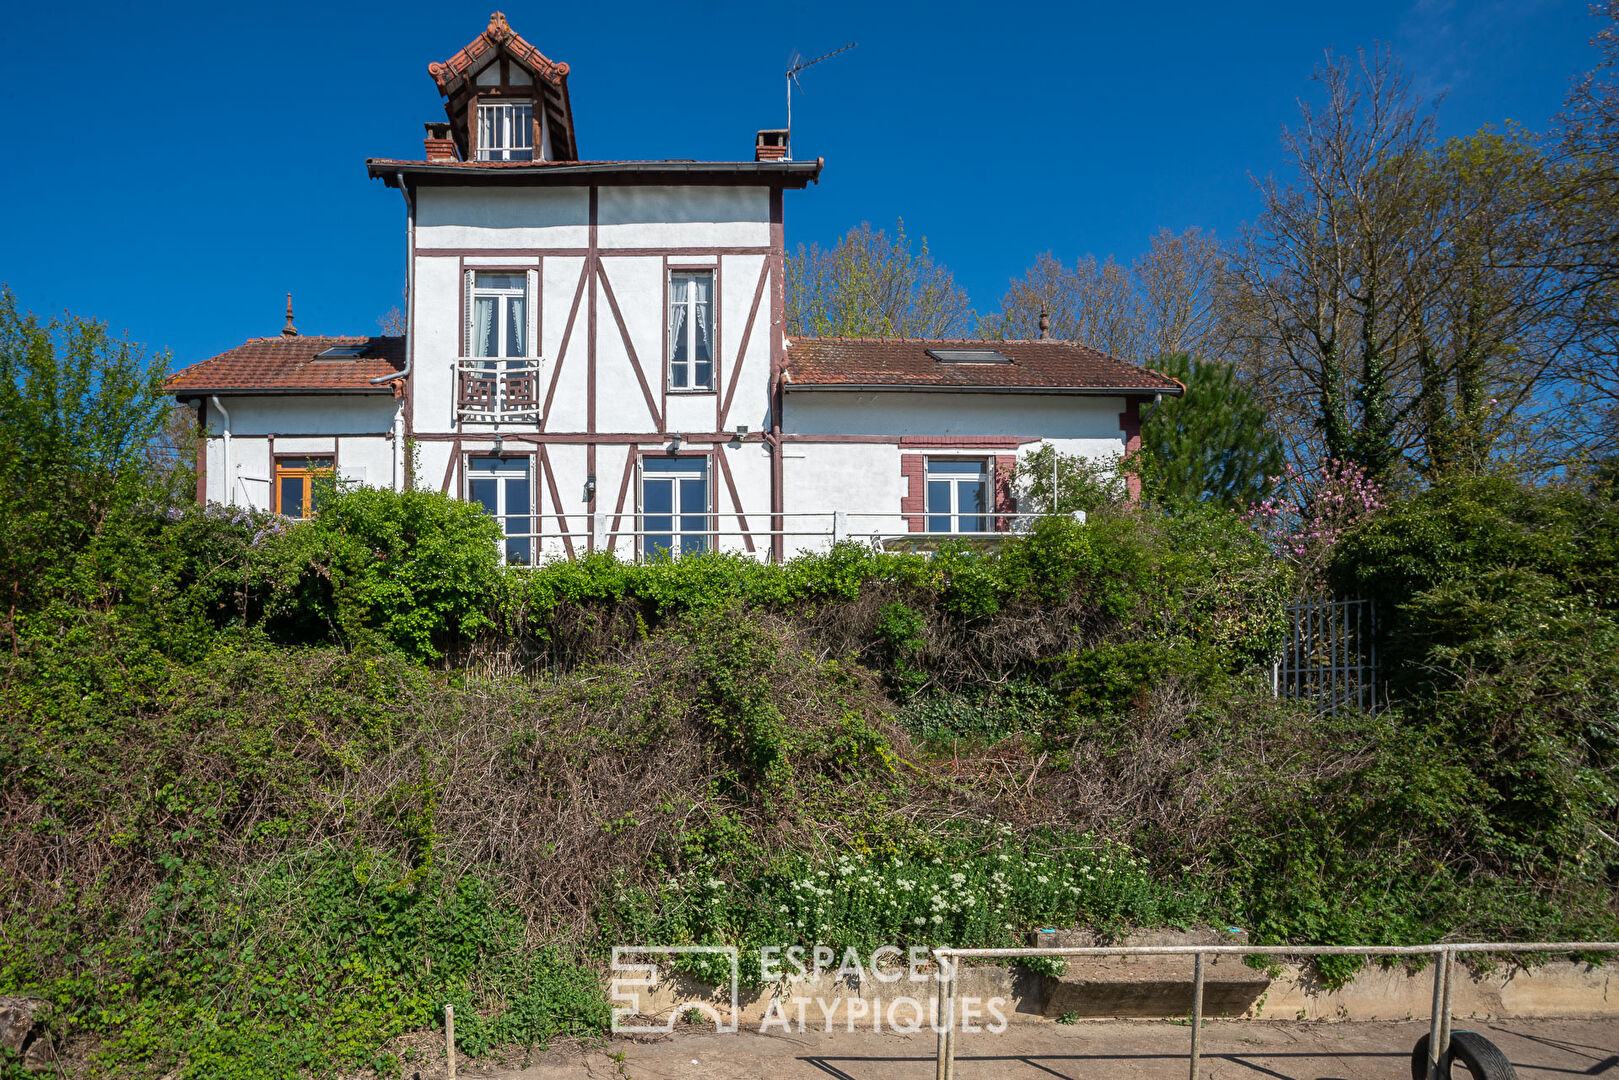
(595, 351)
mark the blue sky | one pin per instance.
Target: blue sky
(175, 169)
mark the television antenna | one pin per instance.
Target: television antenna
(799, 64)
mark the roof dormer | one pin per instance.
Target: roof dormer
(506, 100)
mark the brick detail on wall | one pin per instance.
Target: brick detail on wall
(1130, 424)
(913, 468)
(1005, 493)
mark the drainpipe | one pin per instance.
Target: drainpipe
(399, 447)
(230, 466)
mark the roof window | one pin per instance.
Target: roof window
(969, 356)
(344, 352)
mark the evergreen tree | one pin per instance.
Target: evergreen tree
(1213, 444)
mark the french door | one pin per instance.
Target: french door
(505, 490)
(675, 515)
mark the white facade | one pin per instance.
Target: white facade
(597, 353)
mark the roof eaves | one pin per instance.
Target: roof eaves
(795, 174)
(1092, 391)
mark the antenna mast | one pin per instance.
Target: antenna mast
(792, 77)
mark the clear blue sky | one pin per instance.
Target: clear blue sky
(174, 169)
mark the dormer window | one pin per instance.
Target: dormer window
(505, 131)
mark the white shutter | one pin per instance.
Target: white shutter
(532, 308)
(467, 319)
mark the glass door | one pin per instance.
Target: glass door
(958, 495)
(674, 507)
(501, 485)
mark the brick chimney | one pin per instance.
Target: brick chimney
(770, 145)
(440, 147)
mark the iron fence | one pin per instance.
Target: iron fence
(1330, 655)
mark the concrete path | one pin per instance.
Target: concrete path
(1095, 1050)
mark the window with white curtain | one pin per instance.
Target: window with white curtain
(691, 330)
(505, 131)
(499, 314)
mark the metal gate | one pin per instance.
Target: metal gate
(1330, 656)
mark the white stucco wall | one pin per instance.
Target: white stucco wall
(354, 429)
(864, 480)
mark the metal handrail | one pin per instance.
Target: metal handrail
(834, 531)
(1439, 1019)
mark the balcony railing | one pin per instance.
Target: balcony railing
(498, 391)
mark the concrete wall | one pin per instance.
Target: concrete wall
(1559, 988)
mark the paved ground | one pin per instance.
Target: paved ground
(1101, 1050)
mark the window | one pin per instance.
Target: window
(499, 314)
(958, 495)
(298, 484)
(501, 486)
(674, 507)
(505, 131)
(691, 330)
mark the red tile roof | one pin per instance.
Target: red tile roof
(288, 364)
(1059, 366)
(498, 33)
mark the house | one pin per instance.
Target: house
(595, 352)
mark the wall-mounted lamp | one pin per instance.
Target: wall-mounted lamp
(741, 432)
(590, 487)
(674, 442)
(500, 444)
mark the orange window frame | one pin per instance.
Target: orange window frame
(308, 474)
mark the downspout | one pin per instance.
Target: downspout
(410, 355)
(230, 466)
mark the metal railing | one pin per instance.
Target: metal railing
(1330, 656)
(1438, 1024)
(881, 529)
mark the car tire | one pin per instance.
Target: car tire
(1481, 1057)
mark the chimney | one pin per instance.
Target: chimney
(440, 147)
(770, 145)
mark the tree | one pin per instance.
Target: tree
(1492, 329)
(1587, 252)
(1094, 304)
(1331, 270)
(1048, 481)
(1172, 299)
(79, 413)
(868, 285)
(1213, 444)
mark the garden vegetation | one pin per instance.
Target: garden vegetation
(272, 793)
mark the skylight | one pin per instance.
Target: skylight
(344, 352)
(969, 356)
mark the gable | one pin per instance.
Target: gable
(499, 64)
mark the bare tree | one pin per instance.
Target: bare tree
(868, 285)
(1588, 252)
(1175, 298)
(1095, 304)
(1333, 268)
(1185, 289)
